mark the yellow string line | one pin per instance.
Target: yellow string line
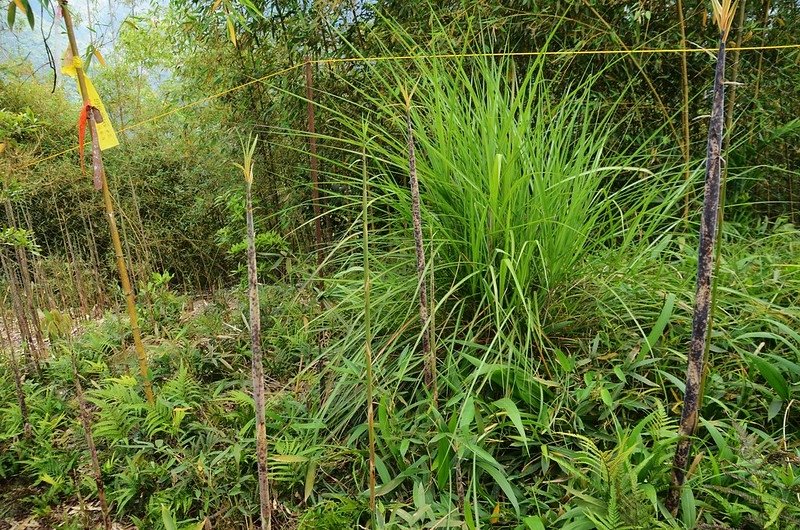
(566, 53)
(639, 51)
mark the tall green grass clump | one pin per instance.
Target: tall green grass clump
(532, 205)
(527, 190)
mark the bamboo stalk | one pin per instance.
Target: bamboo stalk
(75, 268)
(728, 133)
(429, 372)
(368, 328)
(91, 246)
(460, 484)
(23, 406)
(22, 286)
(656, 94)
(255, 338)
(760, 65)
(25, 275)
(701, 321)
(19, 312)
(44, 296)
(97, 162)
(86, 422)
(312, 146)
(731, 101)
(685, 110)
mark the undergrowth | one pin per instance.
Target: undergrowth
(586, 447)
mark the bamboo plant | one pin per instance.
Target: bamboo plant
(255, 336)
(723, 16)
(686, 142)
(86, 423)
(16, 371)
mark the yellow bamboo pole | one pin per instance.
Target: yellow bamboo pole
(122, 269)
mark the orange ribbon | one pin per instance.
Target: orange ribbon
(82, 119)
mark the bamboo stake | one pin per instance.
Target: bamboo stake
(255, 338)
(723, 15)
(429, 373)
(97, 160)
(368, 325)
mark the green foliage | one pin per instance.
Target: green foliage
(527, 199)
(19, 238)
(18, 126)
(271, 248)
(587, 447)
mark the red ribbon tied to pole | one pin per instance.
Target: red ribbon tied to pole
(82, 119)
(97, 163)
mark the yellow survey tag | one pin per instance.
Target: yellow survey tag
(106, 136)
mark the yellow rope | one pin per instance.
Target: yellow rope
(639, 51)
(565, 53)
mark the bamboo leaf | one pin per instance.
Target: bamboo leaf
(28, 11)
(311, 475)
(534, 522)
(772, 375)
(289, 459)
(99, 56)
(688, 508)
(12, 14)
(231, 30)
(511, 410)
(167, 519)
(501, 481)
(660, 325)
